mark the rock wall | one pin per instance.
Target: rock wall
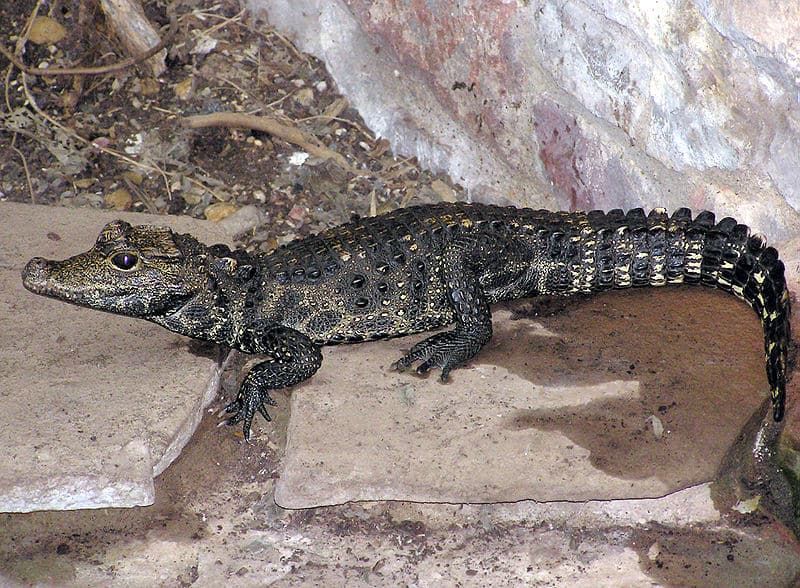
(579, 104)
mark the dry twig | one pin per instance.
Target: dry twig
(80, 71)
(273, 127)
(27, 172)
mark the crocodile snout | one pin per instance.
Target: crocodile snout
(34, 276)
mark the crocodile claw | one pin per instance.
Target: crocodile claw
(445, 351)
(405, 362)
(245, 407)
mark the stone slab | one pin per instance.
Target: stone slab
(92, 406)
(565, 406)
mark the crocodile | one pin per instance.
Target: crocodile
(411, 270)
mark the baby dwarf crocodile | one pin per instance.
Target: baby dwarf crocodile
(411, 270)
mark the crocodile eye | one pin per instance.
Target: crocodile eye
(125, 261)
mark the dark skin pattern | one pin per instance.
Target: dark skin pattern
(409, 271)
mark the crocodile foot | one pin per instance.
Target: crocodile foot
(245, 406)
(444, 351)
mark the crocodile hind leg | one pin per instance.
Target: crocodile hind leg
(473, 318)
(293, 358)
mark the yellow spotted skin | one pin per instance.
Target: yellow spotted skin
(409, 271)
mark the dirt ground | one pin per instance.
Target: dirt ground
(117, 140)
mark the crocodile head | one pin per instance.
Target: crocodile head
(140, 271)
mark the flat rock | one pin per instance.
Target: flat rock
(93, 406)
(624, 395)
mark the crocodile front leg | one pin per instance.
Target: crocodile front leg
(293, 358)
(473, 318)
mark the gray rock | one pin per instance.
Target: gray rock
(655, 105)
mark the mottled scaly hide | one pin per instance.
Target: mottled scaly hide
(412, 270)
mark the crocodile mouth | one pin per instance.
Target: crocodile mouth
(36, 277)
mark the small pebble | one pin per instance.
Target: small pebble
(304, 96)
(243, 220)
(46, 31)
(119, 199)
(298, 158)
(657, 425)
(298, 213)
(134, 177)
(185, 88)
(219, 210)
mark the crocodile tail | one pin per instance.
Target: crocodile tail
(725, 255)
(631, 249)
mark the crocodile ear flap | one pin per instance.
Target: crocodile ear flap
(149, 241)
(155, 242)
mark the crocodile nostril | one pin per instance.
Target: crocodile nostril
(35, 266)
(34, 272)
